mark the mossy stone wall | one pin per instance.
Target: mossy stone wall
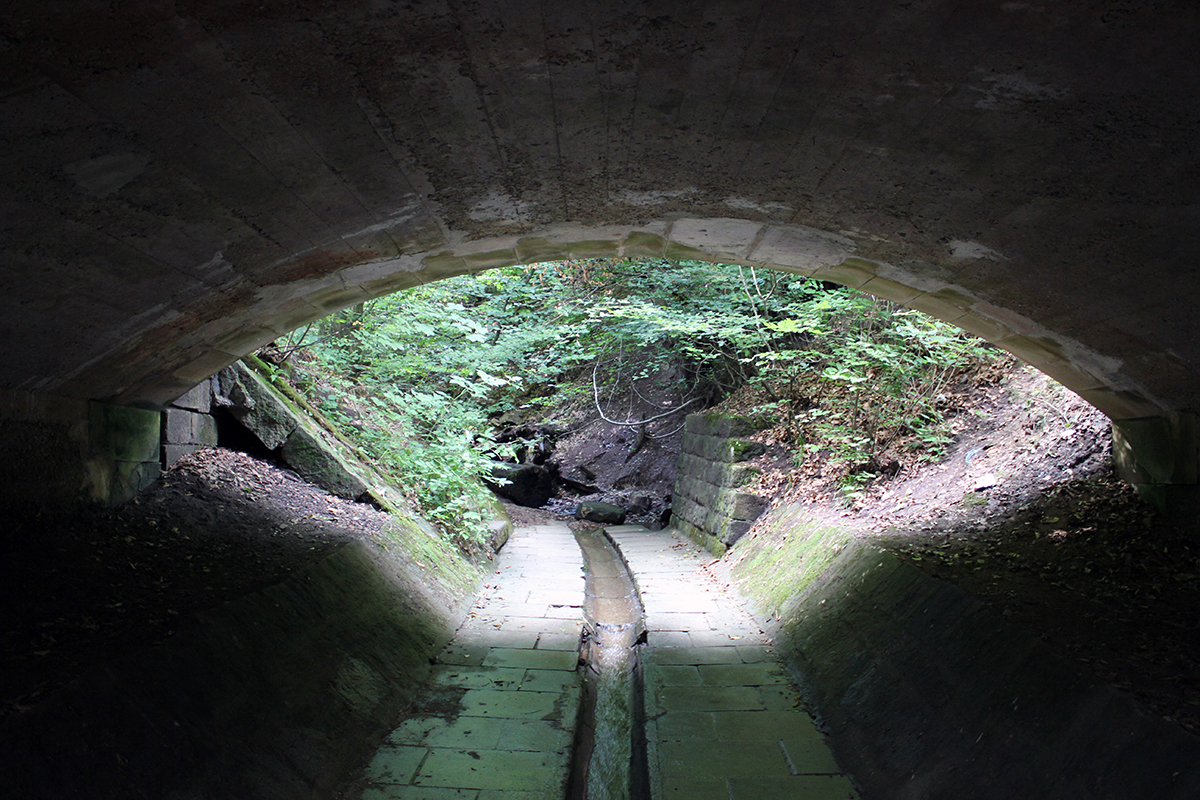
(59, 452)
(928, 694)
(709, 505)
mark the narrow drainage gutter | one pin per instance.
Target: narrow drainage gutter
(610, 740)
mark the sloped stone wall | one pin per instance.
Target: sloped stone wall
(709, 506)
(928, 694)
(278, 694)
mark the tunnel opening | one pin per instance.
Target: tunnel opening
(1084, 428)
(1043, 521)
(186, 183)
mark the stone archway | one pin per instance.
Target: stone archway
(793, 248)
(184, 182)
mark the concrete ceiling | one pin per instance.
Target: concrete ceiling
(181, 182)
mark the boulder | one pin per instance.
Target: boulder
(641, 504)
(255, 404)
(305, 452)
(537, 441)
(598, 511)
(577, 486)
(529, 485)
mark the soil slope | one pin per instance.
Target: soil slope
(1025, 513)
(77, 590)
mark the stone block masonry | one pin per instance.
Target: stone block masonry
(60, 452)
(709, 506)
(499, 719)
(184, 432)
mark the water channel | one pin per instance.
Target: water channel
(679, 695)
(610, 761)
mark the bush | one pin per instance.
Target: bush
(855, 375)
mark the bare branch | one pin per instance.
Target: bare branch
(600, 411)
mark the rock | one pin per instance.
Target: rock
(305, 452)
(598, 511)
(256, 405)
(529, 485)
(986, 481)
(537, 441)
(578, 487)
(313, 454)
(640, 504)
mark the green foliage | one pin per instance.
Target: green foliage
(437, 449)
(873, 375)
(416, 375)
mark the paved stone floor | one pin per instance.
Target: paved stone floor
(722, 716)
(498, 722)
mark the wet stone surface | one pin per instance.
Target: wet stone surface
(723, 718)
(499, 720)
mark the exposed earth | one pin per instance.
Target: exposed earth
(76, 590)
(1022, 511)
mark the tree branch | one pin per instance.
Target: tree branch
(600, 411)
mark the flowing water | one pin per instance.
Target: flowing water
(612, 746)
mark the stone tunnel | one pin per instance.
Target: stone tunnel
(185, 182)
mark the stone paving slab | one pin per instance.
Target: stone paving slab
(418, 793)
(479, 677)
(723, 718)
(801, 787)
(531, 659)
(692, 655)
(558, 641)
(498, 722)
(497, 637)
(543, 624)
(514, 705)
(495, 769)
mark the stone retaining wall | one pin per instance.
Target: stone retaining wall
(187, 424)
(278, 694)
(928, 694)
(59, 452)
(708, 505)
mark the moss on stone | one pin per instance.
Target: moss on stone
(781, 561)
(701, 539)
(743, 450)
(413, 540)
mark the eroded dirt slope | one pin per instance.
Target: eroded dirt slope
(78, 589)
(1024, 512)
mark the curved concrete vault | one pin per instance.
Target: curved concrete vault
(184, 182)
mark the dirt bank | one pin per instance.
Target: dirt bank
(1024, 512)
(77, 590)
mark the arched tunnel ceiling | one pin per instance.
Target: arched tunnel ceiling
(182, 182)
